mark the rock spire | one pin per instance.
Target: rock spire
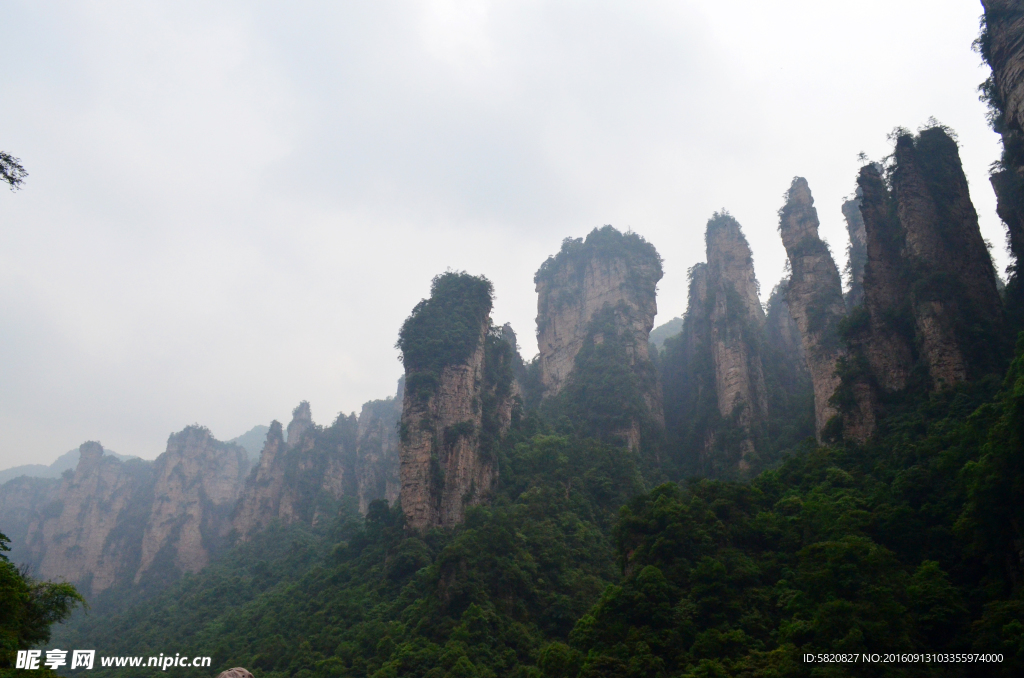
(814, 295)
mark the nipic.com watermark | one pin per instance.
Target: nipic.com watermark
(86, 659)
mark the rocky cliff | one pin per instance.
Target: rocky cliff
(1002, 46)
(887, 343)
(377, 458)
(112, 524)
(607, 269)
(301, 477)
(931, 304)
(814, 295)
(954, 293)
(737, 320)
(737, 389)
(91, 534)
(198, 480)
(459, 398)
(595, 306)
(857, 250)
(23, 501)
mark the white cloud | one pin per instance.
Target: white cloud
(233, 206)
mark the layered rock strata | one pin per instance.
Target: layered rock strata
(607, 270)
(814, 295)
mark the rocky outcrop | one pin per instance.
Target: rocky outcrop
(22, 503)
(607, 270)
(112, 524)
(736, 322)
(458, 401)
(91, 534)
(737, 387)
(955, 282)
(299, 478)
(814, 295)
(857, 251)
(442, 470)
(377, 457)
(886, 346)
(1003, 47)
(930, 291)
(781, 330)
(198, 481)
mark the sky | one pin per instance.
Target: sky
(232, 206)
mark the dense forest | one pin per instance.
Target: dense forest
(907, 544)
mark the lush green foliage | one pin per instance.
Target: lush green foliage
(371, 599)
(604, 395)
(910, 543)
(28, 609)
(444, 329)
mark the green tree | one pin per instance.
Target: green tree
(28, 608)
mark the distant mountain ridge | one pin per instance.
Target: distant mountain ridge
(65, 462)
(251, 441)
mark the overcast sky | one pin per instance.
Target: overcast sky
(232, 206)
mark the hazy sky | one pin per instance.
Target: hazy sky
(232, 206)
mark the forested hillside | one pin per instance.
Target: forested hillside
(910, 543)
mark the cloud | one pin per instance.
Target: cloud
(232, 207)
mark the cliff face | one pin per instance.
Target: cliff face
(88, 536)
(717, 371)
(955, 283)
(1003, 49)
(297, 479)
(736, 321)
(23, 501)
(886, 346)
(198, 481)
(441, 467)
(113, 524)
(930, 294)
(608, 270)
(857, 252)
(458, 400)
(815, 296)
(377, 463)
